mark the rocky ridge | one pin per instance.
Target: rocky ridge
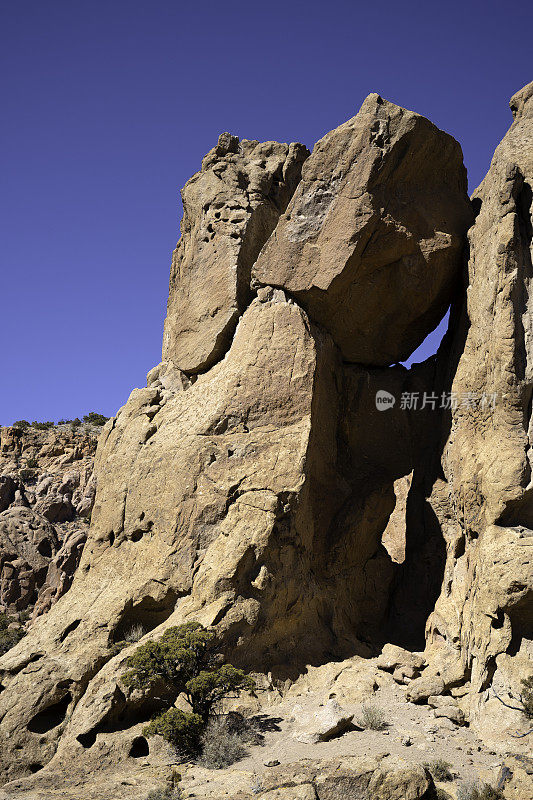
(47, 491)
(255, 484)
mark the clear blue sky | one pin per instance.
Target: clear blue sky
(108, 108)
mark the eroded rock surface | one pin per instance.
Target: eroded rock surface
(230, 208)
(47, 493)
(482, 626)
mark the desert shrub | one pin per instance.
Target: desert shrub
(474, 791)
(32, 463)
(185, 661)
(372, 718)
(95, 419)
(8, 636)
(181, 728)
(42, 426)
(442, 795)
(135, 633)
(75, 423)
(164, 794)
(221, 747)
(244, 728)
(439, 769)
(21, 423)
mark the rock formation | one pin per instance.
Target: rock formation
(44, 512)
(371, 241)
(230, 208)
(483, 499)
(249, 486)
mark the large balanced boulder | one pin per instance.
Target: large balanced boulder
(372, 240)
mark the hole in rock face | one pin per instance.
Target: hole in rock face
(35, 767)
(431, 343)
(521, 618)
(50, 717)
(139, 747)
(69, 629)
(149, 613)
(87, 739)
(523, 206)
(45, 548)
(476, 206)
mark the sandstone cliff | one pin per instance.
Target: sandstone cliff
(255, 486)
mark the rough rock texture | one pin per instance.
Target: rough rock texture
(44, 511)
(342, 779)
(230, 208)
(482, 626)
(328, 721)
(255, 496)
(372, 240)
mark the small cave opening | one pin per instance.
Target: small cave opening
(521, 619)
(45, 548)
(476, 206)
(87, 739)
(35, 767)
(69, 629)
(51, 716)
(139, 748)
(147, 614)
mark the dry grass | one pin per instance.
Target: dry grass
(439, 769)
(372, 718)
(221, 746)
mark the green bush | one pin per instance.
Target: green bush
(95, 419)
(32, 463)
(8, 636)
(21, 423)
(439, 769)
(180, 728)
(185, 661)
(42, 426)
(75, 423)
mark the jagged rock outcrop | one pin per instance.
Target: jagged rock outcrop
(250, 484)
(482, 626)
(47, 492)
(230, 208)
